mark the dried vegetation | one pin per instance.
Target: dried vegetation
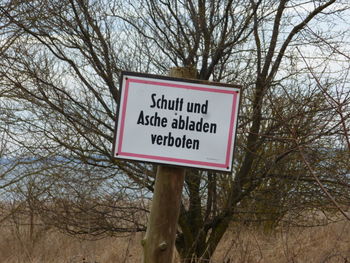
(241, 244)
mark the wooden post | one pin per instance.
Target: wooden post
(159, 241)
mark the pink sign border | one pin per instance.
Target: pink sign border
(120, 152)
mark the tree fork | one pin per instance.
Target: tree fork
(159, 241)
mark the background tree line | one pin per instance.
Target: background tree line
(59, 86)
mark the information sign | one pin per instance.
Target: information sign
(176, 121)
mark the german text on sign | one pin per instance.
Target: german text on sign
(176, 121)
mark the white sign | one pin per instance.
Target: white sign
(176, 121)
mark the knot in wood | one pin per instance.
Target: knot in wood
(163, 246)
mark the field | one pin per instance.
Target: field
(38, 244)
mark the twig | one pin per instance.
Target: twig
(320, 184)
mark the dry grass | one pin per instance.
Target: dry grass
(327, 244)
(54, 247)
